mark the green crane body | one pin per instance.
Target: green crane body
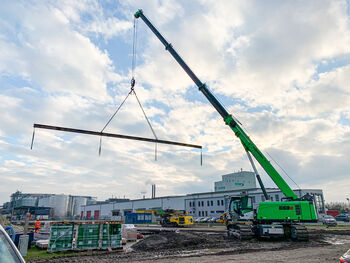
(298, 209)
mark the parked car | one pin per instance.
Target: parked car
(205, 220)
(343, 217)
(198, 219)
(329, 221)
(8, 251)
(345, 258)
(212, 220)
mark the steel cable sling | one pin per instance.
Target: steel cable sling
(102, 133)
(132, 91)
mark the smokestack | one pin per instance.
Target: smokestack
(153, 191)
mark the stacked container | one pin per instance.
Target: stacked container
(88, 236)
(100, 235)
(61, 238)
(111, 236)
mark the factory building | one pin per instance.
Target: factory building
(208, 204)
(44, 206)
(236, 181)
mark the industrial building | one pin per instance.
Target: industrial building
(236, 181)
(208, 204)
(45, 206)
(211, 204)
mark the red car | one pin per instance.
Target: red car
(345, 258)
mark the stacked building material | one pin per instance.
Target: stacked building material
(61, 237)
(88, 236)
(111, 236)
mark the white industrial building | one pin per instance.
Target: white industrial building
(199, 204)
(236, 181)
(45, 205)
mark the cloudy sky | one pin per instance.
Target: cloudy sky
(281, 67)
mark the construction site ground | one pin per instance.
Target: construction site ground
(210, 244)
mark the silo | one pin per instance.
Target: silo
(59, 203)
(78, 201)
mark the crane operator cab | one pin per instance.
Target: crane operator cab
(241, 208)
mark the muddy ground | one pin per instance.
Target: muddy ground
(324, 246)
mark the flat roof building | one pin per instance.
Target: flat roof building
(236, 181)
(211, 204)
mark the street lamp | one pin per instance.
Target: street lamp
(348, 202)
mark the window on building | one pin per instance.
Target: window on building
(208, 203)
(218, 202)
(253, 199)
(222, 202)
(211, 212)
(199, 203)
(277, 198)
(211, 202)
(271, 197)
(206, 213)
(262, 198)
(202, 203)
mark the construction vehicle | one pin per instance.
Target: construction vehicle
(223, 218)
(175, 218)
(270, 219)
(171, 217)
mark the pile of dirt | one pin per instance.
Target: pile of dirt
(198, 240)
(181, 241)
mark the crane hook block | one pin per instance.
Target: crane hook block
(132, 83)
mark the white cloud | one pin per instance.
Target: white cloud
(265, 56)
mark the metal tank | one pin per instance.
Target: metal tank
(59, 203)
(77, 202)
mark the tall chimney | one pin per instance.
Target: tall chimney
(153, 190)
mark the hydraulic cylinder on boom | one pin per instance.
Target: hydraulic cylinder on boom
(271, 218)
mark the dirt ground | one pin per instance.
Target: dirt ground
(324, 246)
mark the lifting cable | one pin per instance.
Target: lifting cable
(132, 92)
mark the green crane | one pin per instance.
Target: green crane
(272, 219)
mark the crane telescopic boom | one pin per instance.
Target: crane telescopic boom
(247, 143)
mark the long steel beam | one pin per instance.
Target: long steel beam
(57, 128)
